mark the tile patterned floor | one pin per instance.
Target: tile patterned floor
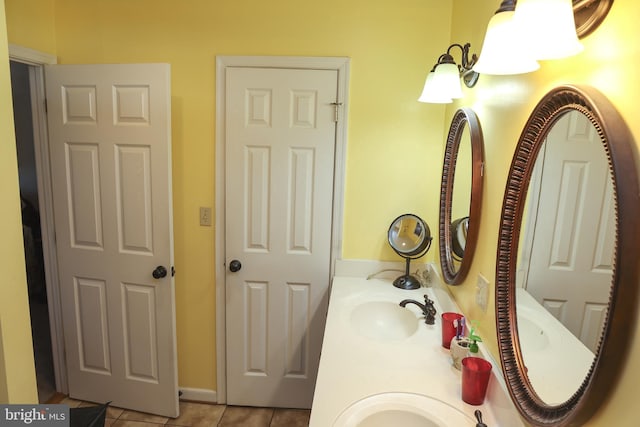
(204, 415)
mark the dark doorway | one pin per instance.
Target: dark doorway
(34, 260)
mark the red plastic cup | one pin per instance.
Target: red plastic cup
(448, 328)
(475, 379)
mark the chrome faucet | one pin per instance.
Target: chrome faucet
(427, 308)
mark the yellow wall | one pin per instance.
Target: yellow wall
(504, 103)
(30, 23)
(17, 373)
(394, 143)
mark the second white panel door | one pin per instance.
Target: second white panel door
(280, 144)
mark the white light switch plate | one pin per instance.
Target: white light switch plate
(482, 293)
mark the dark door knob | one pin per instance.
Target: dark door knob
(235, 265)
(159, 272)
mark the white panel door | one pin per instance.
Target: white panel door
(111, 176)
(570, 269)
(280, 142)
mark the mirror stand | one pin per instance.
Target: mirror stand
(407, 281)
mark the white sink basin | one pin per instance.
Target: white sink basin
(402, 409)
(531, 330)
(383, 320)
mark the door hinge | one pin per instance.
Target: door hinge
(336, 106)
(46, 106)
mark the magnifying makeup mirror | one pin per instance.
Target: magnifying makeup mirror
(411, 238)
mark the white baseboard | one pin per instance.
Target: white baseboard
(198, 395)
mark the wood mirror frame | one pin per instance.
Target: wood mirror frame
(463, 117)
(588, 14)
(621, 316)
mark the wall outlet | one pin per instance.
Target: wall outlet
(482, 293)
(205, 217)
(423, 276)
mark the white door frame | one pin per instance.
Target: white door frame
(36, 61)
(341, 65)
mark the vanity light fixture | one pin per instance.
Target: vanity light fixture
(524, 31)
(548, 28)
(520, 33)
(502, 51)
(432, 93)
(442, 84)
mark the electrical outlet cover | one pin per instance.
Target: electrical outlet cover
(205, 216)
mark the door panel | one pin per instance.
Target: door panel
(110, 148)
(570, 268)
(93, 337)
(133, 198)
(83, 193)
(280, 142)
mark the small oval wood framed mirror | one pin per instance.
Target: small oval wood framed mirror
(564, 384)
(461, 195)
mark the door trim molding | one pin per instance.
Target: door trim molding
(36, 61)
(29, 56)
(341, 65)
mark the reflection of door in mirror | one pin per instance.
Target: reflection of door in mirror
(567, 253)
(461, 196)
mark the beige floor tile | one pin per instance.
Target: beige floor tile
(113, 412)
(290, 418)
(129, 415)
(197, 415)
(108, 422)
(241, 416)
(73, 403)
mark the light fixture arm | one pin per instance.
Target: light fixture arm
(469, 76)
(465, 64)
(507, 6)
(582, 4)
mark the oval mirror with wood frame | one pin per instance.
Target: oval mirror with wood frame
(461, 195)
(526, 357)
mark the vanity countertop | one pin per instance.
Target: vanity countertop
(353, 366)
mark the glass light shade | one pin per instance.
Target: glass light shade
(502, 51)
(548, 28)
(432, 94)
(446, 80)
